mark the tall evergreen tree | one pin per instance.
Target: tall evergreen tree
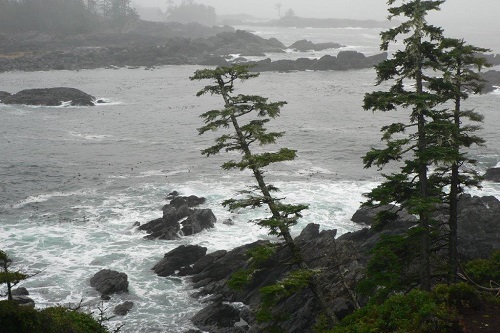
(460, 63)
(246, 133)
(407, 71)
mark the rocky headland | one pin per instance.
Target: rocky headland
(491, 80)
(149, 44)
(340, 261)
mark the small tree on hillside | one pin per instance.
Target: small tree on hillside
(10, 278)
(247, 116)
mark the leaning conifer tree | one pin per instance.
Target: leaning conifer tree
(460, 65)
(247, 116)
(411, 143)
(10, 278)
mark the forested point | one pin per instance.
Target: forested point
(64, 16)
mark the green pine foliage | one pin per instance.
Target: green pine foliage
(7, 276)
(416, 312)
(392, 267)
(243, 118)
(485, 272)
(412, 144)
(21, 319)
(247, 116)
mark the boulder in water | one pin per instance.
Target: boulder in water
(493, 174)
(4, 94)
(50, 97)
(123, 309)
(108, 282)
(179, 259)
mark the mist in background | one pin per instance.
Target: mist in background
(456, 14)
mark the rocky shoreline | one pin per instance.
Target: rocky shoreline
(341, 263)
(152, 44)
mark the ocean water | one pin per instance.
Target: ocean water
(74, 180)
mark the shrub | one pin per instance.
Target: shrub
(415, 312)
(21, 319)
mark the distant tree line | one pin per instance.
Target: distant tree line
(188, 11)
(63, 16)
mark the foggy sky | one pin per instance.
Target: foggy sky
(468, 19)
(453, 11)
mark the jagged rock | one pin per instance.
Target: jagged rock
(492, 79)
(479, 233)
(200, 220)
(123, 309)
(215, 61)
(343, 307)
(310, 232)
(21, 291)
(23, 301)
(50, 97)
(228, 222)
(345, 60)
(218, 318)
(306, 45)
(108, 282)
(180, 258)
(191, 201)
(367, 215)
(162, 228)
(169, 226)
(4, 94)
(478, 226)
(493, 175)
(325, 63)
(172, 195)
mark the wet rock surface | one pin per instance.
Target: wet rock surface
(50, 97)
(179, 219)
(479, 235)
(109, 282)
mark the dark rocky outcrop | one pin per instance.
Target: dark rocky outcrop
(108, 282)
(50, 97)
(168, 227)
(492, 80)
(123, 309)
(305, 22)
(179, 260)
(21, 291)
(151, 45)
(367, 215)
(199, 220)
(4, 94)
(220, 318)
(133, 50)
(306, 45)
(493, 175)
(345, 60)
(479, 234)
(23, 301)
(492, 59)
(478, 227)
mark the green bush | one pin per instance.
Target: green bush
(483, 271)
(415, 312)
(22, 319)
(459, 295)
